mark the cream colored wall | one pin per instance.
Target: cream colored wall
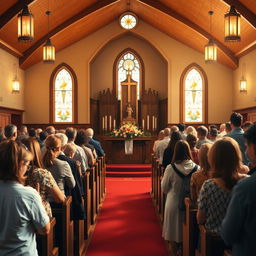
(155, 66)
(79, 55)
(8, 66)
(247, 68)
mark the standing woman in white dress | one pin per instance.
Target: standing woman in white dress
(171, 185)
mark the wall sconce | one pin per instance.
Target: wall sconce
(243, 85)
(15, 82)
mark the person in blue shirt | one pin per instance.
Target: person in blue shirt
(239, 225)
(237, 133)
(92, 141)
(21, 210)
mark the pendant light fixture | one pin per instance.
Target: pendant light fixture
(48, 48)
(232, 25)
(25, 25)
(210, 49)
(243, 82)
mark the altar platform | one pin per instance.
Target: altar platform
(115, 150)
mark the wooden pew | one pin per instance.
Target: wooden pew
(79, 237)
(87, 204)
(159, 191)
(97, 180)
(45, 243)
(64, 235)
(93, 194)
(207, 244)
(104, 177)
(190, 229)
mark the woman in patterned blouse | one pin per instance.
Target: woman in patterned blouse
(225, 161)
(40, 178)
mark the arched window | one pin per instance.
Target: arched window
(63, 95)
(193, 95)
(128, 60)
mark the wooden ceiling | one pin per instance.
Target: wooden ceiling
(185, 20)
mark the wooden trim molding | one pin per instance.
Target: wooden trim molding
(51, 88)
(205, 94)
(10, 49)
(142, 69)
(168, 11)
(246, 110)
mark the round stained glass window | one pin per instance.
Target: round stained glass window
(128, 20)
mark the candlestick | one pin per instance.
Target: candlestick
(110, 123)
(114, 123)
(147, 122)
(103, 123)
(153, 123)
(143, 124)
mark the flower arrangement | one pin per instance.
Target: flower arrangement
(127, 130)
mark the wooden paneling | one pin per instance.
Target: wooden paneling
(249, 114)
(94, 115)
(58, 126)
(163, 110)
(10, 115)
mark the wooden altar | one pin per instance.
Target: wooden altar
(115, 150)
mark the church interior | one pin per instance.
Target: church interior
(102, 64)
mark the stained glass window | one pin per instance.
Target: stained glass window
(193, 96)
(63, 96)
(122, 75)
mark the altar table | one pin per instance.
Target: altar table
(115, 150)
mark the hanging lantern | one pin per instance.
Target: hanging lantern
(25, 25)
(48, 52)
(210, 52)
(232, 25)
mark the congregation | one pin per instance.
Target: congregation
(215, 168)
(39, 170)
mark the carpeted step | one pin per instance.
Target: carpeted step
(128, 170)
(128, 174)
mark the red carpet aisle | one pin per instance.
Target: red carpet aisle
(127, 224)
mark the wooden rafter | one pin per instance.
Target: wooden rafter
(242, 9)
(87, 11)
(13, 11)
(163, 8)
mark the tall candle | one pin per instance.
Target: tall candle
(147, 122)
(114, 123)
(106, 123)
(153, 123)
(110, 122)
(103, 123)
(156, 123)
(143, 124)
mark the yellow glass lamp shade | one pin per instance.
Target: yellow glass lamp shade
(210, 51)
(15, 86)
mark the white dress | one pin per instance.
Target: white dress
(171, 185)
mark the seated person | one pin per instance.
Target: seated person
(192, 139)
(99, 150)
(22, 213)
(202, 133)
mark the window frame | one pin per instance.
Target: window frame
(52, 93)
(115, 70)
(204, 92)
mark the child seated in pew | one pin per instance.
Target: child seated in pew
(69, 151)
(225, 161)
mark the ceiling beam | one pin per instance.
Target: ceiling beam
(85, 12)
(243, 10)
(249, 48)
(13, 11)
(168, 11)
(10, 49)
